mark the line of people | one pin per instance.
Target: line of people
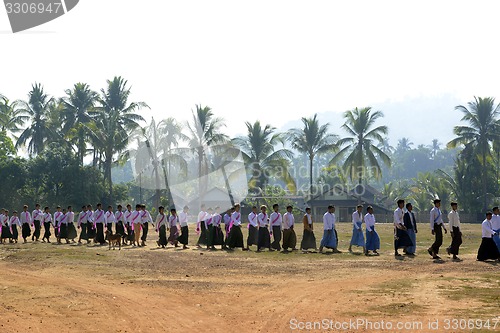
(133, 226)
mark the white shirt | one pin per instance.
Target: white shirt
(146, 217)
(71, 217)
(90, 216)
(436, 217)
(236, 218)
(495, 222)
(276, 219)
(216, 218)
(252, 219)
(357, 217)
(14, 220)
(173, 220)
(369, 221)
(25, 217)
(47, 217)
(161, 219)
(288, 220)
(487, 229)
(135, 217)
(201, 216)
(453, 219)
(127, 215)
(82, 217)
(262, 219)
(99, 216)
(328, 221)
(110, 217)
(57, 218)
(64, 219)
(398, 216)
(37, 215)
(119, 216)
(183, 219)
(4, 219)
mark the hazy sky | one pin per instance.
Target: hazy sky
(271, 60)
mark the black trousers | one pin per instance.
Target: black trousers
(144, 231)
(438, 240)
(36, 233)
(456, 241)
(276, 238)
(109, 226)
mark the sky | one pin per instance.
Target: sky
(275, 61)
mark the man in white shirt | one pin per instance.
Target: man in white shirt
(276, 221)
(46, 220)
(253, 235)
(495, 224)
(437, 226)
(357, 238)
(135, 219)
(401, 239)
(289, 236)
(37, 217)
(329, 239)
(99, 218)
(372, 238)
(456, 233)
(145, 220)
(264, 238)
(235, 234)
(25, 219)
(183, 220)
(110, 219)
(82, 225)
(488, 249)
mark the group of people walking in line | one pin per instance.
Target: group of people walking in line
(272, 232)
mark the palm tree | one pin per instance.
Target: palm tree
(435, 146)
(11, 116)
(171, 137)
(263, 160)
(385, 146)
(77, 105)
(205, 132)
(115, 118)
(37, 108)
(484, 128)
(312, 140)
(404, 144)
(360, 147)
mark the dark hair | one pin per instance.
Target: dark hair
(495, 208)
(161, 207)
(359, 206)
(289, 206)
(275, 205)
(401, 201)
(119, 206)
(369, 208)
(489, 213)
(173, 210)
(436, 201)
(455, 204)
(308, 208)
(331, 206)
(408, 205)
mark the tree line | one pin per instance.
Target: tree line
(78, 141)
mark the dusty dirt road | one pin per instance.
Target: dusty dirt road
(70, 288)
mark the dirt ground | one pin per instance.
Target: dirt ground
(71, 288)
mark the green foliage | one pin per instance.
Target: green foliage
(6, 146)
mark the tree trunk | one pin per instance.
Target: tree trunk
(311, 157)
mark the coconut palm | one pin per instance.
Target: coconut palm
(483, 129)
(404, 144)
(205, 132)
(312, 140)
(435, 146)
(115, 118)
(11, 116)
(262, 158)
(38, 132)
(360, 147)
(77, 106)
